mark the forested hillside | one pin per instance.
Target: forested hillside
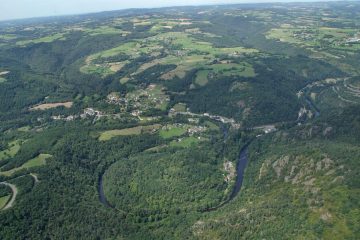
(209, 122)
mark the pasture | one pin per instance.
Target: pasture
(107, 135)
(13, 148)
(180, 107)
(172, 131)
(38, 161)
(186, 142)
(202, 77)
(46, 39)
(4, 200)
(182, 49)
(46, 106)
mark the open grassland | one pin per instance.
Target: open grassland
(14, 147)
(212, 126)
(202, 77)
(180, 107)
(38, 161)
(47, 39)
(333, 38)
(104, 30)
(8, 37)
(3, 201)
(124, 80)
(224, 69)
(151, 97)
(190, 53)
(24, 129)
(107, 135)
(231, 69)
(46, 106)
(103, 69)
(172, 131)
(186, 142)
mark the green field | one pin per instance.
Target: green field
(35, 162)
(24, 129)
(202, 77)
(14, 147)
(231, 69)
(152, 45)
(172, 132)
(212, 125)
(8, 36)
(180, 107)
(107, 135)
(2, 80)
(186, 142)
(47, 39)
(4, 200)
(104, 30)
(225, 69)
(103, 69)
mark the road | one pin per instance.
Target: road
(14, 194)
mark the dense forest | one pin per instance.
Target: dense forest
(208, 122)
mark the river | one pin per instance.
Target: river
(102, 196)
(240, 168)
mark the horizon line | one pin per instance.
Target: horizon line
(169, 6)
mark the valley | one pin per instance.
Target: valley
(206, 122)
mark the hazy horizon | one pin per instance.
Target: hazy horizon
(12, 10)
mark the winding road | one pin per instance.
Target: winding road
(13, 197)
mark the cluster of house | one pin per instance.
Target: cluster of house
(88, 112)
(115, 99)
(353, 40)
(196, 129)
(218, 118)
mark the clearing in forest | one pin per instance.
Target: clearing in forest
(107, 135)
(186, 142)
(40, 160)
(13, 148)
(3, 201)
(46, 106)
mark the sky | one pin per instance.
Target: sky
(16, 9)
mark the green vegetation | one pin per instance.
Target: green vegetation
(35, 162)
(107, 135)
(13, 148)
(186, 142)
(172, 131)
(202, 77)
(180, 182)
(180, 107)
(3, 201)
(46, 39)
(144, 114)
(104, 30)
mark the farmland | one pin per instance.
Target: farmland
(172, 131)
(206, 122)
(13, 148)
(46, 106)
(3, 201)
(46, 39)
(107, 135)
(181, 49)
(35, 162)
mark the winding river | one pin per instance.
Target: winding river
(240, 168)
(102, 196)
